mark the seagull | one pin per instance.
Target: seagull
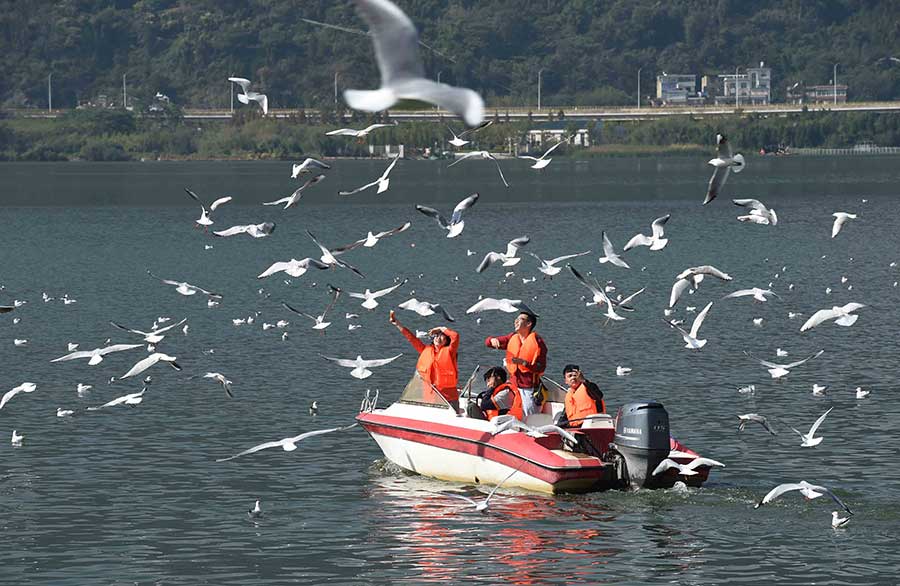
(329, 257)
(319, 320)
(204, 220)
(508, 422)
(483, 155)
(839, 219)
(424, 308)
(218, 377)
(149, 361)
(655, 241)
(60, 412)
(599, 295)
(780, 353)
(71, 346)
(843, 316)
(757, 293)
(690, 338)
(288, 444)
(357, 133)
(292, 199)
(723, 163)
(360, 366)
(314, 408)
(689, 469)
(293, 267)
(819, 390)
(480, 506)
(17, 438)
(609, 254)
(758, 321)
(255, 512)
(549, 268)
(152, 337)
(758, 214)
(509, 258)
(82, 389)
(402, 73)
(307, 166)
(692, 277)
(186, 288)
(370, 297)
(96, 355)
(837, 521)
(382, 182)
(810, 491)
(543, 161)
(133, 399)
(749, 389)
(372, 239)
(254, 230)
(861, 394)
(245, 95)
(809, 439)
(457, 139)
(780, 370)
(622, 370)
(745, 419)
(22, 388)
(504, 305)
(20, 342)
(456, 224)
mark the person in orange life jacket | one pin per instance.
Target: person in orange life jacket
(437, 362)
(499, 398)
(583, 398)
(526, 357)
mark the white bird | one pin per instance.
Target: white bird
(293, 267)
(543, 161)
(757, 293)
(22, 388)
(17, 438)
(839, 219)
(655, 241)
(480, 506)
(504, 305)
(484, 155)
(370, 298)
(96, 355)
(372, 239)
(819, 390)
(20, 342)
(149, 361)
(549, 268)
(456, 224)
(71, 346)
(861, 394)
(756, 418)
(837, 521)
(245, 96)
(842, 315)
(186, 288)
(723, 163)
(508, 422)
(204, 219)
(293, 198)
(307, 166)
(622, 371)
(599, 296)
(809, 439)
(691, 340)
(509, 258)
(357, 133)
(424, 308)
(689, 469)
(254, 230)
(132, 399)
(82, 389)
(152, 337)
(609, 254)
(780, 370)
(60, 412)
(382, 182)
(360, 366)
(758, 214)
(256, 511)
(288, 444)
(457, 139)
(402, 73)
(319, 322)
(219, 378)
(810, 491)
(314, 408)
(780, 353)
(329, 257)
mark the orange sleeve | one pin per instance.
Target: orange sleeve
(416, 343)
(454, 339)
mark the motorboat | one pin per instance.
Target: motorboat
(422, 433)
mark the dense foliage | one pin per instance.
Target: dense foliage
(590, 50)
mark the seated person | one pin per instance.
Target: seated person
(499, 398)
(583, 398)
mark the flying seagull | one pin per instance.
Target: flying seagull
(357, 133)
(692, 277)
(480, 506)
(186, 288)
(758, 213)
(402, 73)
(96, 355)
(329, 257)
(22, 388)
(724, 163)
(839, 219)
(757, 293)
(509, 258)
(149, 361)
(370, 298)
(292, 199)
(457, 139)
(293, 267)
(690, 338)
(599, 295)
(456, 224)
(689, 469)
(543, 161)
(288, 444)
(245, 96)
(504, 305)
(780, 370)
(609, 253)
(760, 419)
(843, 316)
(483, 155)
(810, 491)
(382, 182)
(219, 378)
(319, 320)
(372, 239)
(809, 439)
(307, 166)
(254, 230)
(424, 308)
(132, 399)
(655, 241)
(154, 336)
(360, 366)
(204, 220)
(549, 268)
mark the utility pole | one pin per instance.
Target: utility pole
(835, 82)
(231, 93)
(124, 93)
(335, 89)
(50, 93)
(639, 87)
(737, 89)
(540, 71)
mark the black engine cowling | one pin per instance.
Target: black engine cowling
(642, 437)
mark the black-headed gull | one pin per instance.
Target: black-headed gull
(329, 256)
(219, 378)
(402, 73)
(245, 96)
(756, 418)
(256, 511)
(780, 370)
(689, 469)
(424, 308)
(723, 163)
(255, 230)
(96, 355)
(549, 268)
(758, 213)
(599, 295)
(357, 133)
(757, 294)
(809, 439)
(690, 338)
(132, 399)
(382, 182)
(457, 139)
(843, 316)
(293, 267)
(837, 520)
(839, 219)
(17, 438)
(480, 506)
(307, 166)
(149, 361)
(292, 199)
(456, 224)
(152, 337)
(543, 161)
(370, 298)
(810, 491)
(204, 219)
(509, 258)
(22, 388)
(186, 288)
(319, 322)
(360, 367)
(288, 444)
(483, 155)
(692, 277)
(609, 254)
(371, 239)
(504, 305)
(655, 241)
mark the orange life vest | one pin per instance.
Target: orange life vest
(529, 350)
(580, 404)
(440, 370)
(515, 410)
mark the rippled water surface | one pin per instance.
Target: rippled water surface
(134, 495)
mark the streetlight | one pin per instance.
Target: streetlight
(335, 89)
(834, 76)
(124, 93)
(49, 94)
(639, 87)
(540, 71)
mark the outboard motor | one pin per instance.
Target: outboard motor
(642, 437)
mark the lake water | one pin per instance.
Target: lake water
(134, 495)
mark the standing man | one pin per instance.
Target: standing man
(583, 398)
(437, 362)
(526, 358)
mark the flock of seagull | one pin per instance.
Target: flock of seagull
(402, 77)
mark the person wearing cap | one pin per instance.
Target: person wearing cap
(498, 398)
(526, 358)
(437, 364)
(583, 398)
